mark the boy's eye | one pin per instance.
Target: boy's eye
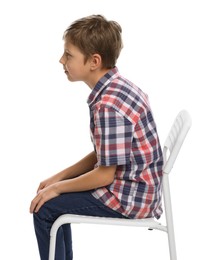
(68, 55)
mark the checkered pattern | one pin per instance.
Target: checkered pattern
(124, 134)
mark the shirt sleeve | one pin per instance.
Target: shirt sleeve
(112, 137)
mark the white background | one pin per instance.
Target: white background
(168, 52)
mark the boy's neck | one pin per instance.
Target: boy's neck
(96, 75)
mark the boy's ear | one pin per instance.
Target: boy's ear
(96, 61)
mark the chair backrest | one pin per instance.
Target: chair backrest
(175, 139)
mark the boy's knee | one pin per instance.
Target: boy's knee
(43, 213)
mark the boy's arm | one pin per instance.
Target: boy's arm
(99, 177)
(79, 168)
(84, 165)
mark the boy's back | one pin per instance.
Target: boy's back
(124, 134)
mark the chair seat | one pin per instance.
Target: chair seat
(78, 219)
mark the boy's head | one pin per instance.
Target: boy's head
(94, 34)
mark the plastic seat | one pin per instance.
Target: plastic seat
(171, 149)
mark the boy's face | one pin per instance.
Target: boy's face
(74, 63)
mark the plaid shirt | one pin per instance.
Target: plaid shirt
(123, 132)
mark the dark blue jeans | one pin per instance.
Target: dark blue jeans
(80, 203)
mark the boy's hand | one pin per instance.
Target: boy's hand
(47, 183)
(42, 196)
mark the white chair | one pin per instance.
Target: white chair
(171, 149)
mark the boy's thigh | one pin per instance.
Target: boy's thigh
(79, 203)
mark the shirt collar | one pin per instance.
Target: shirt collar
(102, 84)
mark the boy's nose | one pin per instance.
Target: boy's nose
(62, 60)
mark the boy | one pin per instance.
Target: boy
(122, 177)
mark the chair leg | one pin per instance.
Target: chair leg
(53, 234)
(172, 245)
(169, 218)
(52, 247)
